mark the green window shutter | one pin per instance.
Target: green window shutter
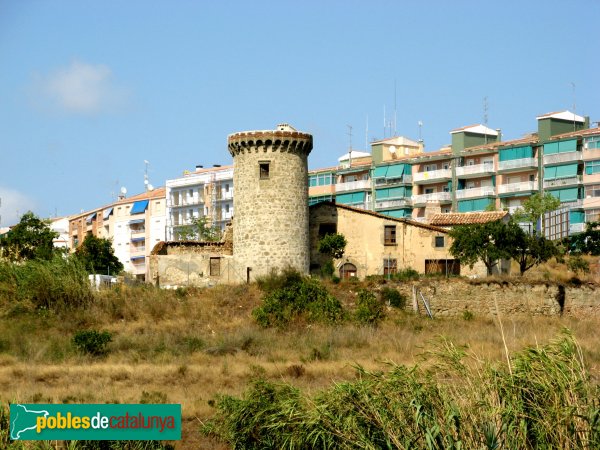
(395, 171)
(344, 199)
(358, 197)
(569, 170)
(398, 213)
(549, 173)
(576, 216)
(382, 193)
(550, 148)
(567, 146)
(565, 195)
(397, 192)
(380, 172)
(465, 206)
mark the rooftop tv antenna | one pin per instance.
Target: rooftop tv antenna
(485, 116)
(146, 182)
(349, 144)
(574, 108)
(420, 123)
(395, 110)
(367, 134)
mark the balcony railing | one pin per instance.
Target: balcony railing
(432, 175)
(476, 169)
(563, 157)
(353, 185)
(398, 203)
(574, 204)
(569, 181)
(185, 202)
(135, 249)
(523, 163)
(483, 191)
(517, 187)
(433, 197)
(576, 228)
(405, 179)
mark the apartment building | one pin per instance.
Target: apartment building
(202, 193)
(353, 182)
(133, 224)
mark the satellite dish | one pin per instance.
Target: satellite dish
(392, 149)
(150, 187)
(145, 181)
(123, 190)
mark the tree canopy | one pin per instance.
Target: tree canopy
(31, 238)
(534, 208)
(333, 245)
(97, 255)
(199, 230)
(528, 250)
(587, 242)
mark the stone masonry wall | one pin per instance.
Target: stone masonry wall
(453, 297)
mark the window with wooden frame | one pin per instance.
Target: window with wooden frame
(390, 266)
(215, 267)
(389, 234)
(264, 168)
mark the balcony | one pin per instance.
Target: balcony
(433, 197)
(511, 188)
(224, 196)
(484, 191)
(562, 157)
(398, 203)
(517, 164)
(576, 228)
(575, 204)
(560, 182)
(476, 170)
(405, 179)
(591, 154)
(135, 250)
(433, 176)
(353, 186)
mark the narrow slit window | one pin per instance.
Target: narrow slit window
(264, 170)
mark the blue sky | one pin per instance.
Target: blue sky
(89, 90)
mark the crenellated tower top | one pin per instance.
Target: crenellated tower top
(284, 139)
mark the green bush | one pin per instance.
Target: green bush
(393, 298)
(369, 310)
(92, 342)
(576, 263)
(295, 298)
(327, 270)
(275, 280)
(56, 284)
(406, 275)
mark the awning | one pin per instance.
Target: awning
(107, 213)
(132, 222)
(137, 258)
(139, 207)
(138, 239)
(380, 172)
(395, 171)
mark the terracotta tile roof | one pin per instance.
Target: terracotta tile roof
(210, 169)
(588, 132)
(450, 219)
(495, 145)
(381, 216)
(155, 193)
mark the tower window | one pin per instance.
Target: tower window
(264, 170)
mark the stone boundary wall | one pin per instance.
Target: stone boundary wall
(453, 297)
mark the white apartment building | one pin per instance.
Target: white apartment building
(202, 193)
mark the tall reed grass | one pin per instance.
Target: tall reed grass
(453, 400)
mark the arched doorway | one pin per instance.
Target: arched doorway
(347, 270)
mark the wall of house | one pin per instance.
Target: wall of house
(367, 248)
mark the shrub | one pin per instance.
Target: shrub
(275, 280)
(406, 274)
(92, 342)
(369, 309)
(393, 298)
(468, 315)
(576, 263)
(294, 298)
(55, 284)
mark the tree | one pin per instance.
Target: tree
(528, 250)
(333, 245)
(587, 242)
(199, 230)
(534, 208)
(31, 238)
(97, 255)
(485, 242)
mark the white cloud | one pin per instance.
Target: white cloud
(79, 88)
(13, 205)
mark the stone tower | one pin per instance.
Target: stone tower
(270, 178)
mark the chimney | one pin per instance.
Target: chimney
(199, 166)
(432, 208)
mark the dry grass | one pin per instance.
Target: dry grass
(187, 347)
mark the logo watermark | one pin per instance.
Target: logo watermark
(95, 422)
